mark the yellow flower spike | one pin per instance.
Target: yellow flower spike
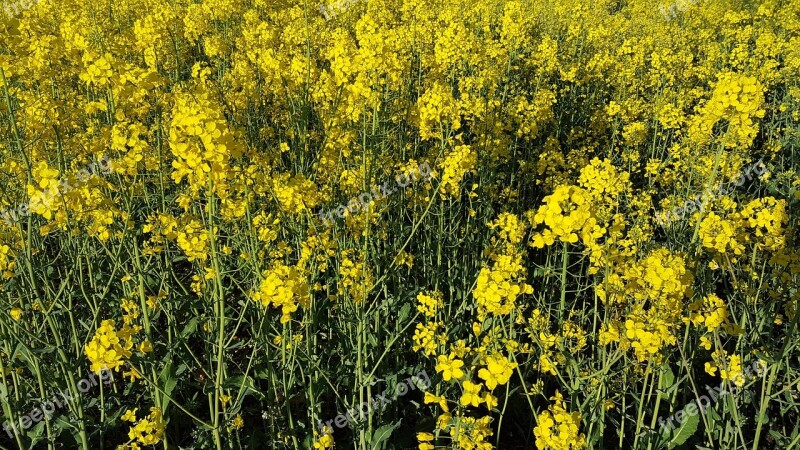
(283, 287)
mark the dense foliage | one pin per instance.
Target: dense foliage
(466, 224)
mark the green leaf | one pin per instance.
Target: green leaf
(403, 314)
(168, 381)
(684, 431)
(381, 435)
(667, 381)
(190, 327)
(712, 416)
(167, 378)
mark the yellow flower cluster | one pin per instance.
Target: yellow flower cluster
(532, 116)
(325, 441)
(428, 304)
(764, 219)
(127, 138)
(650, 295)
(711, 312)
(98, 70)
(146, 431)
(499, 285)
(109, 348)
(472, 433)
(193, 239)
(295, 194)
(47, 182)
(567, 214)
(570, 338)
(498, 371)
(720, 235)
(285, 288)
(426, 339)
(201, 142)
(603, 182)
(425, 335)
(438, 111)
(356, 280)
(454, 167)
(730, 367)
(7, 263)
(558, 429)
(738, 99)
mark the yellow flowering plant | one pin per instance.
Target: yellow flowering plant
(223, 204)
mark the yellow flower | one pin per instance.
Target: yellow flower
(425, 440)
(497, 372)
(145, 347)
(490, 400)
(133, 374)
(443, 420)
(705, 342)
(450, 367)
(129, 416)
(16, 313)
(471, 395)
(236, 423)
(441, 401)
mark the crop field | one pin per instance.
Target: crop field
(400, 224)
